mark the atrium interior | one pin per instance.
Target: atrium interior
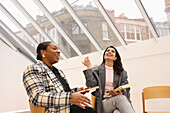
(139, 29)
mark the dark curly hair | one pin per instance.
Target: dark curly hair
(117, 63)
(42, 46)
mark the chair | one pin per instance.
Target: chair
(153, 93)
(93, 99)
(36, 109)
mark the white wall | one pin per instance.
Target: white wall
(12, 94)
(147, 64)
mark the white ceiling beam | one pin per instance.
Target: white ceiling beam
(82, 26)
(147, 20)
(17, 40)
(34, 23)
(59, 28)
(19, 26)
(8, 42)
(109, 21)
(31, 20)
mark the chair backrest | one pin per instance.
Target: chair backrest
(155, 92)
(93, 99)
(36, 109)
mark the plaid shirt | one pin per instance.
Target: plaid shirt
(44, 89)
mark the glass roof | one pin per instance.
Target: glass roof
(94, 21)
(80, 27)
(10, 7)
(158, 14)
(8, 22)
(128, 20)
(68, 24)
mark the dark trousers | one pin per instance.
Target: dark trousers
(77, 109)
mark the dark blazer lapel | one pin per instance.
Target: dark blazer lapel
(102, 76)
(55, 80)
(62, 75)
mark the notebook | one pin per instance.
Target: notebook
(88, 89)
(121, 88)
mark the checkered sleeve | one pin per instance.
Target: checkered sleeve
(35, 87)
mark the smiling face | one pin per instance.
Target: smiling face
(51, 54)
(110, 54)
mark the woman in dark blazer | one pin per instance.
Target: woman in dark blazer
(108, 76)
(47, 86)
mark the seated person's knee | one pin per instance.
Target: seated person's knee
(120, 98)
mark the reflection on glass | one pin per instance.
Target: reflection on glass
(19, 17)
(128, 19)
(159, 13)
(37, 15)
(94, 22)
(52, 32)
(66, 21)
(8, 22)
(34, 11)
(15, 12)
(6, 31)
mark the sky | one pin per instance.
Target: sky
(154, 8)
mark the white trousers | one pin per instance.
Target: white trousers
(117, 104)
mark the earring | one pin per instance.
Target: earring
(43, 55)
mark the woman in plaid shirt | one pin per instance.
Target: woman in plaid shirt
(47, 86)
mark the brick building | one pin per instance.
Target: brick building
(167, 10)
(132, 30)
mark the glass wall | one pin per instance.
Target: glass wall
(94, 21)
(128, 19)
(124, 15)
(72, 29)
(159, 14)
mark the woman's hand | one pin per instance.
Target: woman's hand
(80, 100)
(87, 62)
(114, 93)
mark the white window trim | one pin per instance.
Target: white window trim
(105, 31)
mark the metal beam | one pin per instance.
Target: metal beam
(8, 42)
(82, 26)
(19, 26)
(59, 28)
(31, 20)
(109, 21)
(17, 40)
(147, 20)
(34, 23)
